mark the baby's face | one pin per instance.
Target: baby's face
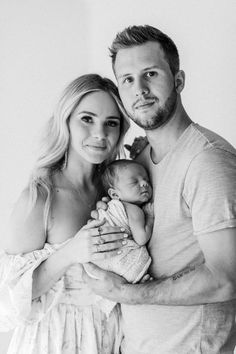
(133, 185)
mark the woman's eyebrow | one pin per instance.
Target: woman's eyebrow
(87, 112)
(95, 115)
(113, 117)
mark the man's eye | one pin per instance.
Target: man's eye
(151, 73)
(127, 80)
(87, 119)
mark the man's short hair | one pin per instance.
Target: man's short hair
(137, 35)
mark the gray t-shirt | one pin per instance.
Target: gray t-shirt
(195, 193)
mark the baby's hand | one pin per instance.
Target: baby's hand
(101, 204)
(148, 209)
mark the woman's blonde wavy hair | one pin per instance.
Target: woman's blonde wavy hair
(57, 136)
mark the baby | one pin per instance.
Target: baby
(127, 184)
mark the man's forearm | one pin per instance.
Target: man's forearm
(191, 287)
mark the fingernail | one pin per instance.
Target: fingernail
(122, 229)
(119, 252)
(124, 242)
(126, 235)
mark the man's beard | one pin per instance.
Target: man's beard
(161, 117)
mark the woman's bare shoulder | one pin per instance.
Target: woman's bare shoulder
(26, 227)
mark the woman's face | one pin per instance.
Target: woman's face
(94, 127)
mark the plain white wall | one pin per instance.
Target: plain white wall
(47, 43)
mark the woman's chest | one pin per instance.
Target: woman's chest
(68, 214)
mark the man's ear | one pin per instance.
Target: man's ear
(112, 193)
(179, 81)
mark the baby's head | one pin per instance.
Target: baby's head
(127, 180)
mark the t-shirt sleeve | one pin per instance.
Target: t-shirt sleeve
(210, 190)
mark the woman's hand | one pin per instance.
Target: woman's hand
(95, 241)
(145, 278)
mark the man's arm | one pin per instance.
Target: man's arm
(213, 281)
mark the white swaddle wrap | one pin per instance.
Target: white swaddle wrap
(133, 262)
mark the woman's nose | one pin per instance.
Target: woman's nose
(99, 131)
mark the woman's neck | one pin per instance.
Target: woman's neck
(79, 173)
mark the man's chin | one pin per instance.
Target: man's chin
(147, 124)
(152, 122)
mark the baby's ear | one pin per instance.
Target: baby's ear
(112, 193)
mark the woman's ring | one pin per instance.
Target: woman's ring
(99, 230)
(101, 240)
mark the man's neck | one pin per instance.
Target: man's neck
(165, 137)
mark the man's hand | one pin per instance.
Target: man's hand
(104, 283)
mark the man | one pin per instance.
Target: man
(190, 305)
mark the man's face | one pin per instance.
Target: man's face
(146, 84)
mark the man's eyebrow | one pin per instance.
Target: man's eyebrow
(151, 67)
(123, 75)
(145, 69)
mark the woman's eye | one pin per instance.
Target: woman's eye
(87, 119)
(113, 123)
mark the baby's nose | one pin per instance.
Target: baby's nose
(144, 184)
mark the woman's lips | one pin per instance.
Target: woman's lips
(97, 147)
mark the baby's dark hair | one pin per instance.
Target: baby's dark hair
(109, 176)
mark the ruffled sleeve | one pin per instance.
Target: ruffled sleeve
(16, 278)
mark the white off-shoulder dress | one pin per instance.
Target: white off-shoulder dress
(65, 320)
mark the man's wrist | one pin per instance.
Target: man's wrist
(130, 294)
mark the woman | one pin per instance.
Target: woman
(42, 292)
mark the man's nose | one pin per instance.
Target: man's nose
(141, 87)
